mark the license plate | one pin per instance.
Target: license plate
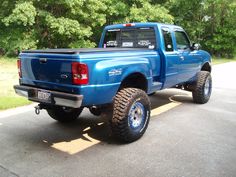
(44, 96)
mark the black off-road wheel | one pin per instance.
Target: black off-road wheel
(64, 115)
(131, 114)
(202, 88)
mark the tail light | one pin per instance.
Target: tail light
(19, 68)
(129, 24)
(79, 73)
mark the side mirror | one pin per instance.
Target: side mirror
(196, 46)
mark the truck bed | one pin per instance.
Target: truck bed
(52, 68)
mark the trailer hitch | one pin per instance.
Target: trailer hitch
(41, 106)
(37, 109)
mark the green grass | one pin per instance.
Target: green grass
(216, 61)
(11, 102)
(8, 78)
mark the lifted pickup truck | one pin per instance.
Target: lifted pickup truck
(132, 61)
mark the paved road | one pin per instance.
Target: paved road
(183, 139)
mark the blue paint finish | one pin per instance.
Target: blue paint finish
(107, 69)
(51, 85)
(98, 94)
(128, 62)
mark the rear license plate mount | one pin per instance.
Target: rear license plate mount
(44, 96)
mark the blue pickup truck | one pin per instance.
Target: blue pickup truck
(132, 61)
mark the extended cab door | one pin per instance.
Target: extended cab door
(172, 59)
(189, 59)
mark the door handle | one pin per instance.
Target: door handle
(181, 57)
(43, 60)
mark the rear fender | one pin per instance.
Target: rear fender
(206, 66)
(115, 71)
(106, 77)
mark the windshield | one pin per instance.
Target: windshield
(130, 38)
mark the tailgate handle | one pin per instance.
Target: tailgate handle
(43, 60)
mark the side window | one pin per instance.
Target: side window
(167, 39)
(182, 40)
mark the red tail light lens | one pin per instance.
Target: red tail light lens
(129, 24)
(19, 68)
(79, 73)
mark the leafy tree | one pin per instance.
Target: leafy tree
(149, 12)
(28, 24)
(221, 36)
(15, 32)
(210, 22)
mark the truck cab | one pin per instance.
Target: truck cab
(177, 59)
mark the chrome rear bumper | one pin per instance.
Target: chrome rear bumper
(56, 98)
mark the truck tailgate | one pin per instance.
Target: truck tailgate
(49, 71)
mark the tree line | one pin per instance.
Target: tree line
(30, 24)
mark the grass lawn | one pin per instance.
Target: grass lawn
(216, 61)
(8, 78)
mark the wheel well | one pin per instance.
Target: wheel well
(135, 80)
(206, 67)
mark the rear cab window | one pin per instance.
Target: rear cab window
(130, 38)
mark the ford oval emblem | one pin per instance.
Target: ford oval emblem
(64, 76)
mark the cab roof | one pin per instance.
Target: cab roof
(147, 24)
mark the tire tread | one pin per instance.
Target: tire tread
(122, 101)
(198, 92)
